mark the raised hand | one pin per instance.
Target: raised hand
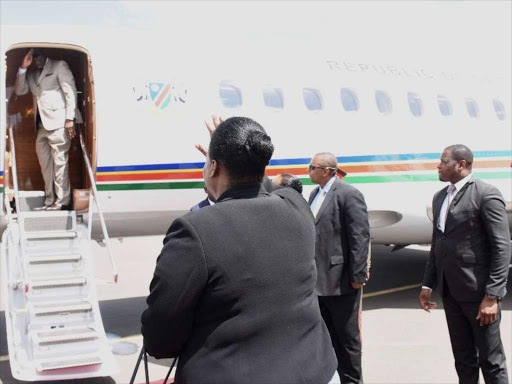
(211, 127)
(27, 60)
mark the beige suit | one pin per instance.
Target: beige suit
(54, 94)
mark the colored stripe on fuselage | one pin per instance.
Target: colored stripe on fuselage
(360, 169)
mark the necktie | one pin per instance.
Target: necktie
(451, 195)
(319, 202)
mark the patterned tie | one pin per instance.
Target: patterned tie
(451, 195)
(319, 202)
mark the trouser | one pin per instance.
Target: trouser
(341, 316)
(52, 149)
(473, 345)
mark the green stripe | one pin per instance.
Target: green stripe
(306, 181)
(413, 178)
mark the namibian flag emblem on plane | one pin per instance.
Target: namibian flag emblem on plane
(163, 93)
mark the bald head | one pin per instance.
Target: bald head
(322, 168)
(326, 159)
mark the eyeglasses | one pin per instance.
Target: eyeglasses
(313, 167)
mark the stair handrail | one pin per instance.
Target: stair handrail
(17, 202)
(97, 203)
(14, 169)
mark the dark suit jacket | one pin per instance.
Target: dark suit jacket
(342, 239)
(473, 253)
(233, 293)
(201, 204)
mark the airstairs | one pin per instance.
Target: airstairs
(53, 321)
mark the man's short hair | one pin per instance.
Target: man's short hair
(242, 146)
(38, 52)
(291, 181)
(461, 152)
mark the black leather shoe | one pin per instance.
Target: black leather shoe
(54, 207)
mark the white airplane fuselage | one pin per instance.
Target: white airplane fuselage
(151, 102)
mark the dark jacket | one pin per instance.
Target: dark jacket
(233, 293)
(473, 253)
(201, 204)
(342, 239)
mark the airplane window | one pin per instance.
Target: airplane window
(383, 102)
(415, 104)
(230, 96)
(499, 108)
(472, 108)
(445, 107)
(273, 98)
(312, 99)
(349, 100)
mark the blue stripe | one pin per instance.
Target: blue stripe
(305, 160)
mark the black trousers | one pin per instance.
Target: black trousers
(474, 346)
(341, 315)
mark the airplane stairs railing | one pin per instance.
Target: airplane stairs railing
(53, 321)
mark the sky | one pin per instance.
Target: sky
(474, 36)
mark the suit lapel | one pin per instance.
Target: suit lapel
(46, 69)
(438, 204)
(459, 194)
(326, 201)
(455, 201)
(313, 194)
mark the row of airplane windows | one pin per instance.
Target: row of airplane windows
(231, 97)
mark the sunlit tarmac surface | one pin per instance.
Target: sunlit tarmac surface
(401, 343)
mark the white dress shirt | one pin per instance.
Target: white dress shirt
(320, 196)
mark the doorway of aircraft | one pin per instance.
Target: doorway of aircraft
(20, 113)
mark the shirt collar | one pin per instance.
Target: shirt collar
(328, 185)
(461, 183)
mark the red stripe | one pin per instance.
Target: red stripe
(162, 95)
(151, 176)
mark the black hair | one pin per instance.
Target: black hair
(291, 181)
(243, 147)
(461, 152)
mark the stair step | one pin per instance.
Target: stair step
(64, 335)
(58, 282)
(46, 259)
(51, 235)
(55, 307)
(68, 362)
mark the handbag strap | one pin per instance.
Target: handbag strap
(146, 367)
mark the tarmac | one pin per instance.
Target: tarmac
(401, 342)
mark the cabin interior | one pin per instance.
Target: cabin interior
(28, 169)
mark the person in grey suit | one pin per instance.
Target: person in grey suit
(341, 247)
(468, 266)
(233, 293)
(54, 92)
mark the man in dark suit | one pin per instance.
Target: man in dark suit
(233, 293)
(468, 265)
(342, 242)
